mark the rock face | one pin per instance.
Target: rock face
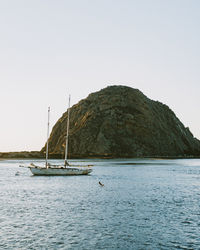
(120, 121)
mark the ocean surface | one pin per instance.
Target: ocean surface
(144, 204)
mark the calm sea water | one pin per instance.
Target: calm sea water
(144, 204)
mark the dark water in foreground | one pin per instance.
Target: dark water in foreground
(145, 204)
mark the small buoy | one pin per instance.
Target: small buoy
(101, 184)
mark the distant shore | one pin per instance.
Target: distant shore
(28, 155)
(21, 155)
(41, 155)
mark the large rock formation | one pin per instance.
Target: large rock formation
(120, 121)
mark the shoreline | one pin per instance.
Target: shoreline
(40, 155)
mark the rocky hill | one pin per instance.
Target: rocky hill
(120, 121)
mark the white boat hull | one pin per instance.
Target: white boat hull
(60, 171)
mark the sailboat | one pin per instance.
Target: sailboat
(66, 168)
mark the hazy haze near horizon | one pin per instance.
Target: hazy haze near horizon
(50, 49)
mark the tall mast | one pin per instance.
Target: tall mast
(66, 146)
(47, 145)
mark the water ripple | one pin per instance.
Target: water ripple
(144, 204)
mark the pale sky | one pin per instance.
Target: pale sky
(52, 48)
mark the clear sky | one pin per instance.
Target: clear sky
(52, 48)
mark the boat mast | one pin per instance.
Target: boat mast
(66, 146)
(47, 144)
